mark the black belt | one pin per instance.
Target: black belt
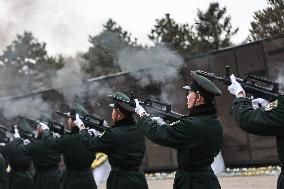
(124, 169)
(196, 169)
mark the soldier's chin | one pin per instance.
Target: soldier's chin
(188, 106)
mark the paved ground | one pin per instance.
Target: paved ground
(255, 182)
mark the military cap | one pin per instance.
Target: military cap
(121, 105)
(24, 125)
(204, 86)
(80, 110)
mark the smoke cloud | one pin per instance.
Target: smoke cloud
(14, 16)
(160, 66)
(29, 107)
(70, 80)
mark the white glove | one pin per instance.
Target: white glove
(235, 88)
(139, 109)
(105, 123)
(26, 141)
(78, 122)
(16, 134)
(259, 102)
(56, 135)
(43, 126)
(94, 132)
(159, 120)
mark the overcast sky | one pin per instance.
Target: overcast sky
(66, 24)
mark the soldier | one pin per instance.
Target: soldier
(3, 163)
(20, 176)
(264, 121)
(197, 137)
(77, 158)
(123, 143)
(45, 161)
(2, 170)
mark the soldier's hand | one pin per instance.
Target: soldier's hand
(105, 123)
(94, 132)
(235, 88)
(139, 109)
(26, 141)
(259, 102)
(16, 134)
(78, 122)
(42, 126)
(159, 120)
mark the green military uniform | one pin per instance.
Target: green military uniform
(2, 170)
(125, 146)
(45, 161)
(197, 138)
(20, 176)
(265, 121)
(77, 158)
(4, 175)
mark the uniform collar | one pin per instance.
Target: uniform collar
(125, 122)
(74, 130)
(203, 109)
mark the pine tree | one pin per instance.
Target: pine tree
(213, 28)
(102, 55)
(178, 37)
(26, 64)
(268, 22)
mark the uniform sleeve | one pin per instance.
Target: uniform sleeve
(25, 149)
(170, 135)
(54, 142)
(103, 143)
(2, 169)
(265, 121)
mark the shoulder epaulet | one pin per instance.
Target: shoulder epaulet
(100, 159)
(271, 105)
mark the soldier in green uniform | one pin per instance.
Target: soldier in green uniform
(20, 176)
(77, 158)
(197, 137)
(45, 161)
(2, 170)
(4, 165)
(124, 144)
(264, 121)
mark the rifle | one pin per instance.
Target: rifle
(24, 134)
(90, 121)
(259, 87)
(153, 107)
(3, 138)
(53, 126)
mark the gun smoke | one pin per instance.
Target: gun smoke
(29, 107)
(156, 65)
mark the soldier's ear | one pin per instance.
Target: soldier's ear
(198, 97)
